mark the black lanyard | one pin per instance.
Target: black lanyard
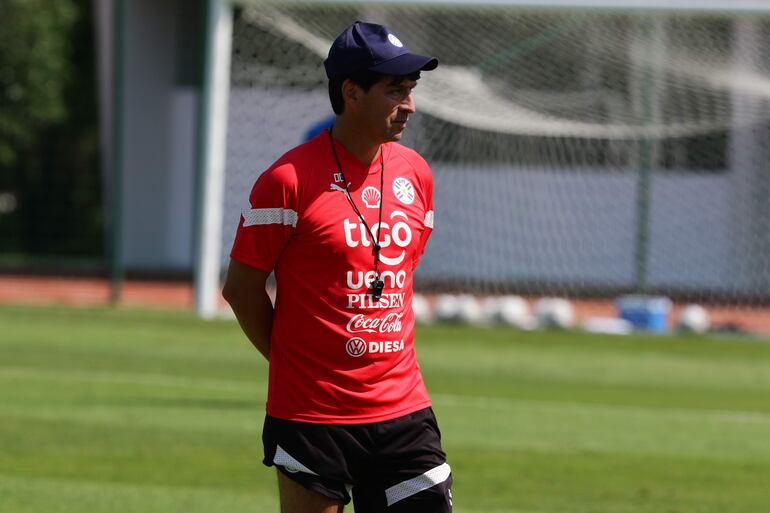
(377, 283)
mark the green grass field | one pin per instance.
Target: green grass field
(128, 411)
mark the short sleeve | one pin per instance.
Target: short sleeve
(269, 222)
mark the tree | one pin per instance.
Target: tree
(48, 130)
(34, 69)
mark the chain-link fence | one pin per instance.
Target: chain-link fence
(574, 152)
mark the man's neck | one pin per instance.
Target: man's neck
(351, 138)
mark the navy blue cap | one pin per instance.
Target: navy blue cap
(368, 46)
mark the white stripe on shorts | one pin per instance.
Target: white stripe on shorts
(406, 489)
(259, 216)
(289, 463)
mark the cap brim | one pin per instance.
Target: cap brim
(406, 64)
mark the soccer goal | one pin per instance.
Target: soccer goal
(586, 148)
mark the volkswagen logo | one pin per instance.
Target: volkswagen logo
(355, 347)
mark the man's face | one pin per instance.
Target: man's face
(383, 110)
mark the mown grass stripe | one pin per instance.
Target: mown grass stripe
(35, 495)
(128, 379)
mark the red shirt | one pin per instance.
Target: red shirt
(337, 355)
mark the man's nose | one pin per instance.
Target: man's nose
(407, 104)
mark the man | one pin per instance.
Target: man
(342, 220)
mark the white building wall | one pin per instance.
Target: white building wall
(159, 165)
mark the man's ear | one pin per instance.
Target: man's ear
(350, 92)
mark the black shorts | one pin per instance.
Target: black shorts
(396, 466)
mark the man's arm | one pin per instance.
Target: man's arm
(245, 291)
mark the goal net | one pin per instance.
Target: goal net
(575, 152)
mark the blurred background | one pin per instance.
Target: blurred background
(581, 152)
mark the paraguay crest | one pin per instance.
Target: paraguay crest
(404, 190)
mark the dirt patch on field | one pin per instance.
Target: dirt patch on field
(179, 295)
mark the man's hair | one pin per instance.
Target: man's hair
(364, 79)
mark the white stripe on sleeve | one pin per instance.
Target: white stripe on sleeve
(259, 216)
(428, 222)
